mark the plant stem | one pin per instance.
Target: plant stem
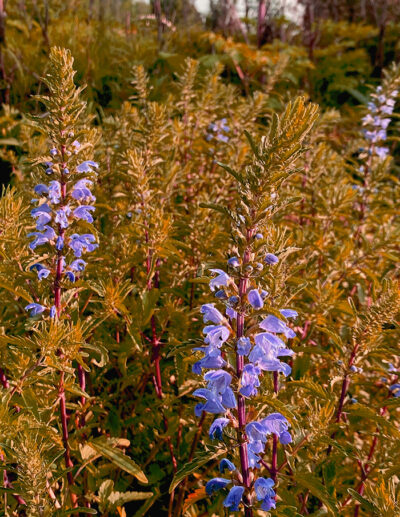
(241, 410)
(57, 302)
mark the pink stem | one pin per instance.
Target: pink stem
(241, 410)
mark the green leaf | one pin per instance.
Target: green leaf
(314, 485)
(194, 465)
(361, 500)
(118, 458)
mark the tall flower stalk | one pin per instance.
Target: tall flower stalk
(63, 215)
(246, 340)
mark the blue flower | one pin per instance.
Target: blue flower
(264, 493)
(255, 299)
(210, 360)
(395, 389)
(83, 212)
(53, 151)
(54, 192)
(231, 313)
(218, 380)
(80, 243)
(271, 259)
(277, 424)
(76, 144)
(273, 324)
(234, 498)
(226, 464)
(80, 191)
(259, 236)
(42, 215)
(41, 189)
(249, 380)
(35, 309)
(217, 427)
(87, 166)
(213, 402)
(211, 314)
(62, 216)
(216, 484)
(216, 335)
(243, 346)
(42, 238)
(70, 276)
(77, 265)
(288, 313)
(233, 262)
(59, 243)
(222, 279)
(221, 295)
(53, 311)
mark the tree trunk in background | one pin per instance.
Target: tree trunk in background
(158, 14)
(262, 13)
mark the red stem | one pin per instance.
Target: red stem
(57, 302)
(241, 410)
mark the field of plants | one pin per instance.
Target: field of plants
(199, 258)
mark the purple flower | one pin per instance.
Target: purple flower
(265, 356)
(216, 484)
(41, 189)
(226, 464)
(211, 314)
(395, 389)
(231, 313)
(259, 236)
(217, 427)
(243, 346)
(70, 276)
(54, 192)
(83, 212)
(76, 144)
(216, 335)
(81, 192)
(53, 311)
(212, 360)
(288, 313)
(381, 152)
(234, 498)
(35, 309)
(77, 265)
(222, 279)
(255, 299)
(273, 324)
(81, 243)
(59, 243)
(249, 380)
(42, 215)
(42, 238)
(233, 262)
(213, 402)
(271, 259)
(277, 424)
(53, 151)
(87, 166)
(62, 216)
(264, 493)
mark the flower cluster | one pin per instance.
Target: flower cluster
(377, 120)
(218, 131)
(259, 352)
(61, 205)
